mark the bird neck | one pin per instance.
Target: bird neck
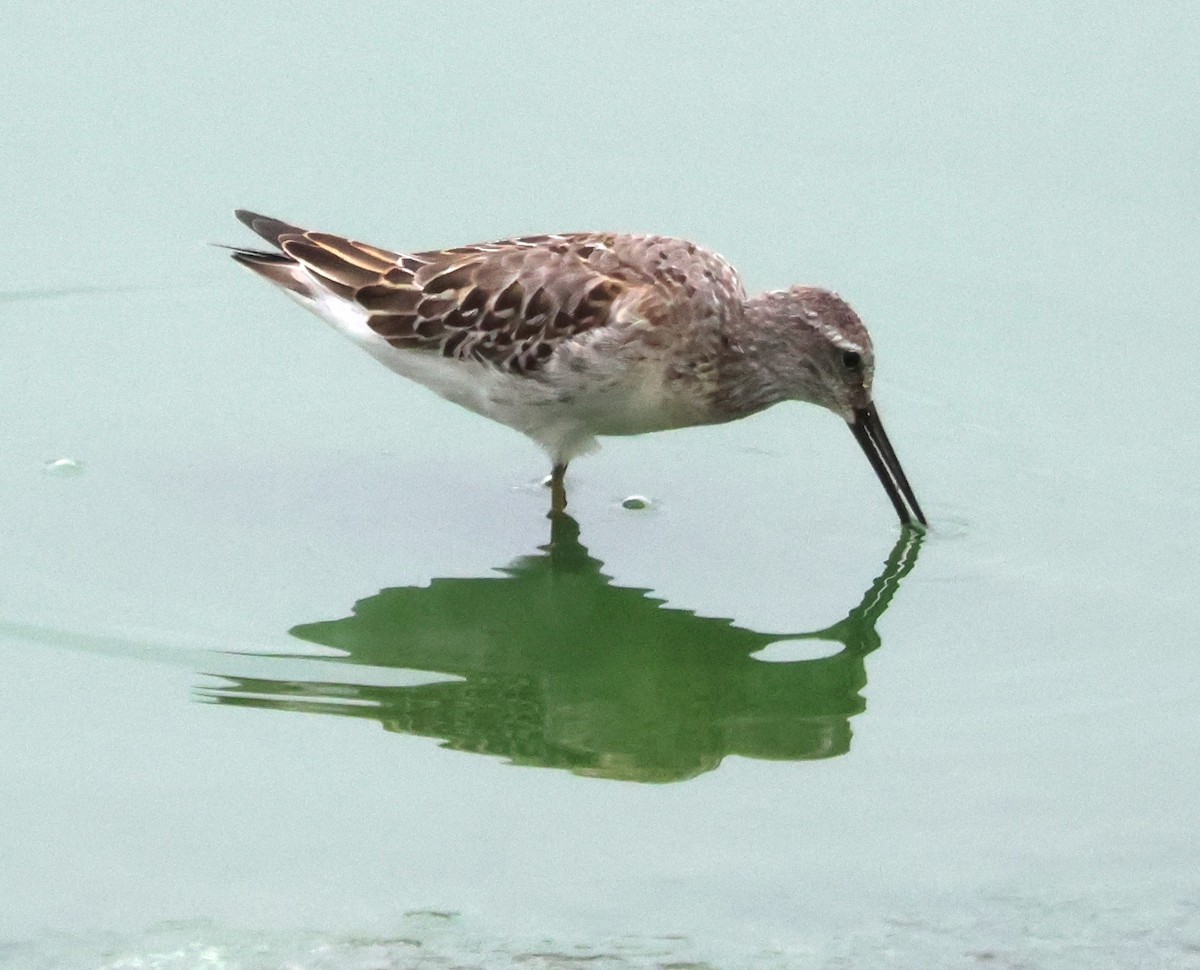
(758, 365)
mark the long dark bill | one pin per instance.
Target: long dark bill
(868, 429)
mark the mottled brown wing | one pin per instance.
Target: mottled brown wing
(509, 303)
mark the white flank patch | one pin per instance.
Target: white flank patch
(464, 382)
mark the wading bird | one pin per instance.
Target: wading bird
(569, 337)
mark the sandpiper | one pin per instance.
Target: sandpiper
(568, 337)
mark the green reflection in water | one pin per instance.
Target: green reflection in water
(560, 668)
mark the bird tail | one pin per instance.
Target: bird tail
(274, 265)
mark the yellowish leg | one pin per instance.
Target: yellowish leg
(558, 490)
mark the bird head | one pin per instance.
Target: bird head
(816, 349)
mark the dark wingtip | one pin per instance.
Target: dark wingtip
(270, 229)
(253, 257)
(276, 267)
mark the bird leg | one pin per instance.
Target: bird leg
(558, 489)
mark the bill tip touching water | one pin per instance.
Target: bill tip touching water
(569, 337)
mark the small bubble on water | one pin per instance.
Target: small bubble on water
(636, 502)
(63, 467)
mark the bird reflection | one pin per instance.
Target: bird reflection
(555, 666)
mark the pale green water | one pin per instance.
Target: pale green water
(987, 755)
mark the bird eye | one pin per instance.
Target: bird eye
(852, 359)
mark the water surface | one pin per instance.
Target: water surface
(296, 670)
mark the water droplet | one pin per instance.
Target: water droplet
(63, 467)
(636, 502)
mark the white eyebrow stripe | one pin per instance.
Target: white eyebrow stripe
(838, 339)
